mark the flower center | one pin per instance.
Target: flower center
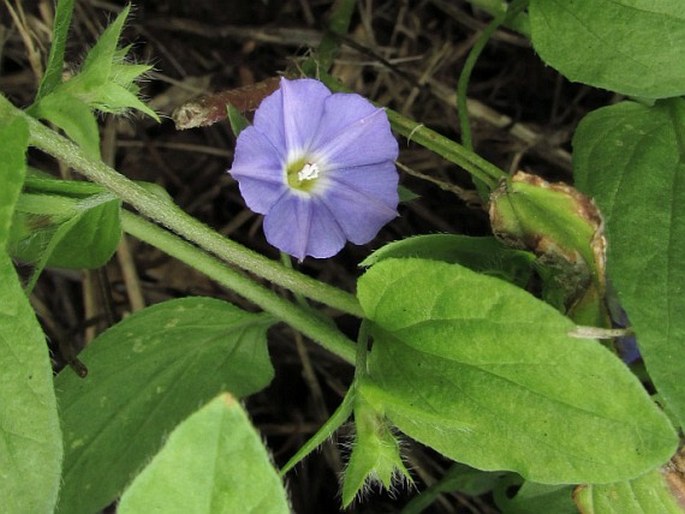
(302, 174)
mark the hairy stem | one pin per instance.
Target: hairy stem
(305, 320)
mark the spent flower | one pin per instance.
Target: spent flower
(320, 167)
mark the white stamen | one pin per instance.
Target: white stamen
(309, 171)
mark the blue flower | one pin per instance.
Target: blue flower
(319, 166)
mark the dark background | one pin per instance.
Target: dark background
(406, 55)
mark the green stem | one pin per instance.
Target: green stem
(446, 148)
(164, 212)
(453, 152)
(338, 25)
(520, 23)
(516, 7)
(303, 320)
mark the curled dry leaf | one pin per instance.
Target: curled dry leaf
(209, 109)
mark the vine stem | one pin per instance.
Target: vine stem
(166, 213)
(514, 9)
(304, 320)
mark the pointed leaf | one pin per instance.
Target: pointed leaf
(145, 375)
(375, 455)
(213, 463)
(486, 374)
(634, 47)
(60, 31)
(116, 99)
(30, 439)
(630, 157)
(99, 60)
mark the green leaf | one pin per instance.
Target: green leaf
(486, 374)
(60, 31)
(631, 158)
(236, 119)
(648, 494)
(145, 375)
(213, 463)
(51, 230)
(634, 47)
(116, 99)
(30, 439)
(74, 117)
(100, 58)
(484, 254)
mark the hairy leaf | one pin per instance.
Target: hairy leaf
(214, 462)
(30, 439)
(487, 374)
(145, 375)
(60, 31)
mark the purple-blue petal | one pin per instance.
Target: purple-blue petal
(303, 105)
(363, 199)
(353, 132)
(258, 168)
(301, 226)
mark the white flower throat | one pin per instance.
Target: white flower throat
(309, 171)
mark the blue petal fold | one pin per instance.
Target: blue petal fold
(301, 226)
(258, 168)
(363, 199)
(289, 117)
(353, 132)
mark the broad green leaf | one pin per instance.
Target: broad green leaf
(631, 158)
(74, 117)
(60, 31)
(648, 494)
(634, 47)
(213, 463)
(535, 498)
(487, 374)
(484, 254)
(30, 439)
(145, 375)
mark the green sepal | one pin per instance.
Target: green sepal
(564, 229)
(375, 454)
